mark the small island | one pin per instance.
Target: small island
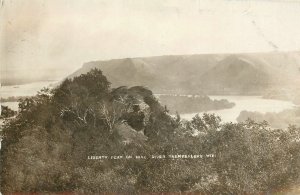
(185, 104)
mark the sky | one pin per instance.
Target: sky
(53, 38)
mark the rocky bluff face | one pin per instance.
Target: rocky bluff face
(240, 74)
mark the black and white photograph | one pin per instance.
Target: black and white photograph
(150, 97)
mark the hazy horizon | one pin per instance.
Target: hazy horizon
(51, 39)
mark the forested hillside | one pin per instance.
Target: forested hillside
(46, 147)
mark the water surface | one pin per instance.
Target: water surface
(248, 103)
(29, 89)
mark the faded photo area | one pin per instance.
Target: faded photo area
(150, 96)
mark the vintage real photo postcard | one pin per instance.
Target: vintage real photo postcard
(150, 97)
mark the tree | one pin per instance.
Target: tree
(6, 112)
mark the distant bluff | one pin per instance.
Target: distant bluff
(236, 74)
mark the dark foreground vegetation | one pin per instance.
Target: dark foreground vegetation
(45, 148)
(6, 112)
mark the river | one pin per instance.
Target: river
(248, 103)
(24, 90)
(29, 89)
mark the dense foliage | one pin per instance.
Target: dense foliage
(6, 112)
(46, 147)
